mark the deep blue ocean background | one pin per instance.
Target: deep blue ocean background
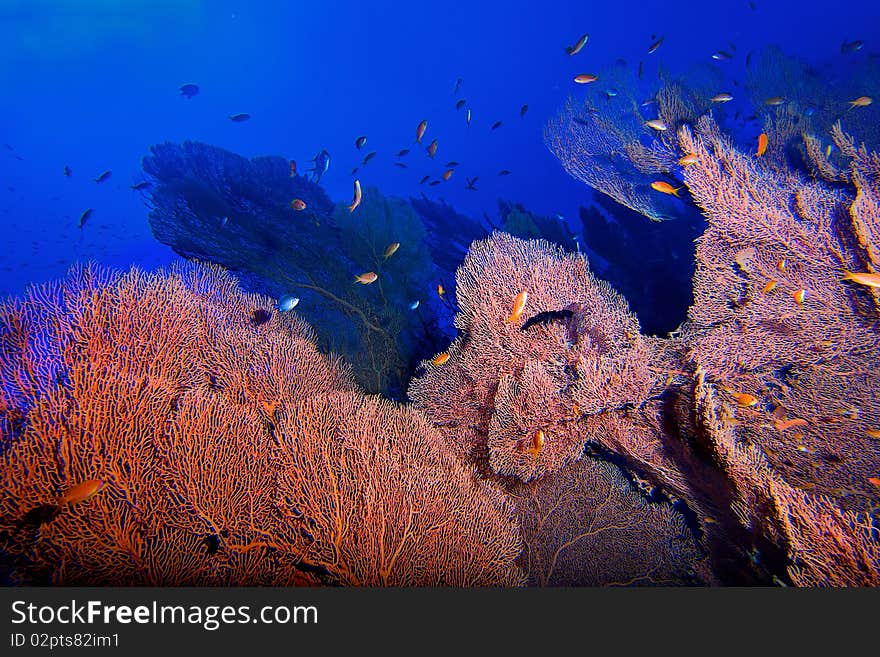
(92, 84)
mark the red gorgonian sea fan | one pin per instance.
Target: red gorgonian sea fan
(775, 323)
(219, 447)
(574, 356)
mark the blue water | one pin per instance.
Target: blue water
(92, 84)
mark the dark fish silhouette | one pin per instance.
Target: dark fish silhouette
(504, 172)
(103, 176)
(260, 316)
(460, 104)
(522, 111)
(424, 180)
(496, 125)
(457, 86)
(546, 317)
(238, 118)
(402, 152)
(360, 141)
(67, 171)
(402, 165)
(189, 90)
(471, 182)
(84, 217)
(852, 46)
(368, 157)
(142, 186)
(434, 183)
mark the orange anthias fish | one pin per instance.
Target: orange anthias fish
(873, 433)
(769, 286)
(863, 278)
(448, 174)
(782, 425)
(298, 204)
(688, 160)
(665, 187)
(875, 481)
(293, 168)
(432, 149)
(420, 131)
(745, 399)
(657, 124)
(519, 305)
(356, 201)
(775, 100)
(800, 296)
(440, 359)
(440, 291)
(576, 48)
(762, 144)
(391, 250)
(367, 278)
(536, 444)
(653, 47)
(861, 101)
(585, 78)
(81, 491)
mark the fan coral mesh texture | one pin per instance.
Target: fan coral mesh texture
(773, 318)
(574, 358)
(826, 546)
(181, 394)
(586, 525)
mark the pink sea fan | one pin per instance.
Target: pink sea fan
(575, 354)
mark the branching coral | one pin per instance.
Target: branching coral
(819, 98)
(574, 358)
(772, 317)
(190, 402)
(825, 545)
(611, 148)
(219, 207)
(382, 504)
(587, 526)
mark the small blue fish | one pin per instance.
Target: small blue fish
(611, 93)
(414, 305)
(287, 303)
(189, 90)
(224, 221)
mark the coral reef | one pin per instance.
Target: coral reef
(773, 237)
(612, 148)
(216, 206)
(586, 525)
(574, 356)
(813, 97)
(171, 429)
